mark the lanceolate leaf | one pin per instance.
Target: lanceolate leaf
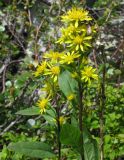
(90, 146)
(67, 84)
(32, 149)
(29, 111)
(70, 135)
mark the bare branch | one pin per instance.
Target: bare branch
(11, 125)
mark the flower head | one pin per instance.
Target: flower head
(53, 56)
(69, 57)
(53, 70)
(74, 75)
(40, 69)
(85, 60)
(70, 30)
(88, 74)
(71, 97)
(76, 15)
(79, 42)
(66, 32)
(42, 104)
(62, 120)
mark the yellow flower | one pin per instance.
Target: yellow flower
(74, 75)
(53, 56)
(71, 97)
(85, 60)
(64, 36)
(67, 32)
(72, 30)
(62, 120)
(40, 69)
(69, 57)
(52, 70)
(55, 70)
(88, 74)
(76, 15)
(42, 104)
(79, 42)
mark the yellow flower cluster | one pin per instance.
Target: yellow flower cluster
(76, 15)
(77, 37)
(78, 33)
(51, 65)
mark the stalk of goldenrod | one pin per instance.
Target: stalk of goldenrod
(81, 119)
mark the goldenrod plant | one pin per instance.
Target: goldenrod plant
(60, 69)
(66, 74)
(77, 37)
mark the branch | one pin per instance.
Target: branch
(36, 39)
(11, 125)
(121, 44)
(4, 78)
(18, 40)
(29, 17)
(11, 30)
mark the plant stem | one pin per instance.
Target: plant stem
(81, 120)
(58, 128)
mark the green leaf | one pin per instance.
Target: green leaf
(29, 111)
(70, 135)
(51, 112)
(32, 149)
(90, 146)
(49, 119)
(22, 79)
(3, 153)
(67, 84)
